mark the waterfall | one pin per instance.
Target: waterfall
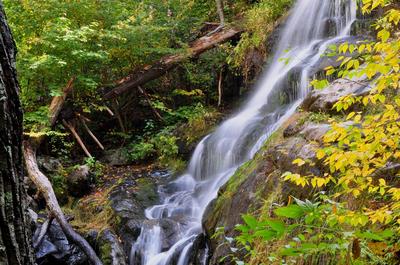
(312, 26)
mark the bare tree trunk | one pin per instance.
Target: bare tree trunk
(220, 89)
(220, 10)
(15, 245)
(167, 63)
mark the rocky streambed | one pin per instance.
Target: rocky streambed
(112, 215)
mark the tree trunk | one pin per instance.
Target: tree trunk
(15, 245)
(220, 10)
(167, 63)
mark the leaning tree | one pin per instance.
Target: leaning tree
(15, 246)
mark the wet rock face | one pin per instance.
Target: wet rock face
(234, 200)
(200, 251)
(130, 196)
(129, 202)
(260, 180)
(110, 248)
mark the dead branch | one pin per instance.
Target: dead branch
(118, 115)
(46, 189)
(44, 186)
(220, 89)
(158, 115)
(42, 232)
(90, 132)
(77, 137)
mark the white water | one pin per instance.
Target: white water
(218, 155)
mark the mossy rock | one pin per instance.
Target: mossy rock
(110, 249)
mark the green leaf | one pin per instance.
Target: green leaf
(277, 225)
(266, 234)
(291, 211)
(250, 220)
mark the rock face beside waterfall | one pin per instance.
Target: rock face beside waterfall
(323, 100)
(259, 180)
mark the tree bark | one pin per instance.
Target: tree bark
(15, 245)
(167, 63)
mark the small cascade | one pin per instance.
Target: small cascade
(311, 28)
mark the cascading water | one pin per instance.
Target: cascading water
(311, 28)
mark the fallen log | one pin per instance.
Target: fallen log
(57, 102)
(46, 189)
(55, 108)
(167, 63)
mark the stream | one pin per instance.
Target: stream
(312, 26)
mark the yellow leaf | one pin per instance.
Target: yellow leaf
(382, 182)
(320, 154)
(299, 162)
(351, 115)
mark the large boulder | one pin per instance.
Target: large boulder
(49, 165)
(116, 157)
(79, 181)
(324, 99)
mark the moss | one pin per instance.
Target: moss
(147, 190)
(175, 164)
(200, 126)
(105, 253)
